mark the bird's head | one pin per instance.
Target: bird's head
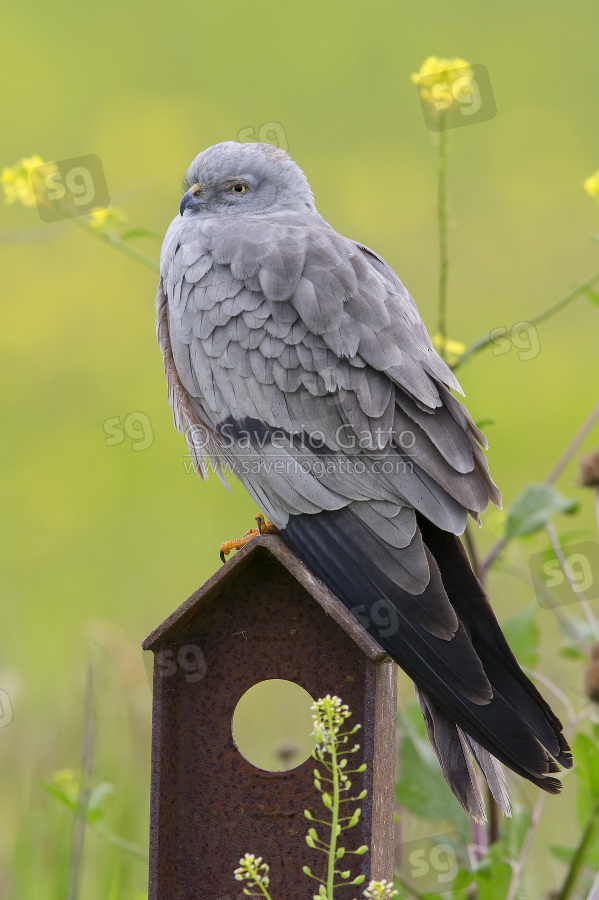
(244, 179)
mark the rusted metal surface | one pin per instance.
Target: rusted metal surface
(262, 616)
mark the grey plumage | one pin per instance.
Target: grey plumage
(274, 328)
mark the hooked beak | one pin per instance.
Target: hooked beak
(189, 198)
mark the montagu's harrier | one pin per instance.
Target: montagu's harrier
(296, 360)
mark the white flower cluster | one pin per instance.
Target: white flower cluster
(252, 868)
(380, 890)
(328, 715)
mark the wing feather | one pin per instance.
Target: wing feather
(300, 329)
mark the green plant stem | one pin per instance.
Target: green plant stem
(113, 838)
(442, 221)
(120, 245)
(264, 891)
(486, 339)
(579, 855)
(334, 811)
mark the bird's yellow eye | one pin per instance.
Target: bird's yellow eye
(239, 188)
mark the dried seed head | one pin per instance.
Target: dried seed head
(589, 470)
(591, 679)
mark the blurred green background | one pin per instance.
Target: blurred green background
(101, 542)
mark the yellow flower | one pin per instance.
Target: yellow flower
(591, 185)
(106, 220)
(16, 181)
(452, 349)
(444, 80)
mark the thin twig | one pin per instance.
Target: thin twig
(574, 445)
(87, 761)
(486, 339)
(442, 220)
(594, 892)
(118, 841)
(118, 244)
(559, 553)
(535, 818)
(586, 713)
(551, 478)
(480, 842)
(542, 593)
(518, 864)
(552, 686)
(577, 861)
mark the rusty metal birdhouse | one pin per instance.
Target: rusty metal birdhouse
(262, 616)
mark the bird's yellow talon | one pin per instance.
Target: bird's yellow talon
(264, 527)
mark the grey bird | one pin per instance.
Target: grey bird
(297, 361)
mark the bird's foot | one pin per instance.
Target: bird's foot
(264, 527)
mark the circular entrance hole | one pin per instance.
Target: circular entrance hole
(272, 725)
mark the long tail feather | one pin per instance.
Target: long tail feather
(477, 702)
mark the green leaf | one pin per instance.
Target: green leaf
(493, 879)
(564, 854)
(533, 509)
(571, 652)
(59, 795)
(99, 794)
(462, 880)
(522, 634)
(592, 296)
(493, 874)
(586, 754)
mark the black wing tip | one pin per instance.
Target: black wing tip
(565, 758)
(551, 785)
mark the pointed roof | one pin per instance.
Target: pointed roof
(250, 554)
